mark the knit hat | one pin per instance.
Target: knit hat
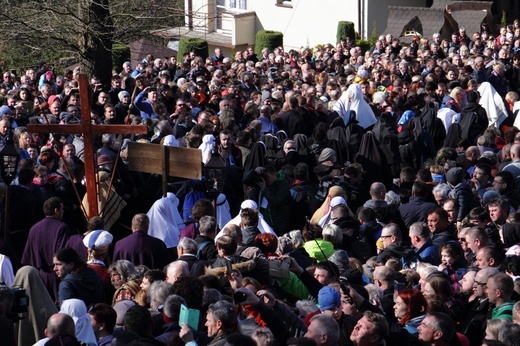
(122, 94)
(455, 176)
(341, 259)
(489, 195)
(98, 239)
(328, 298)
(327, 154)
(5, 109)
(266, 95)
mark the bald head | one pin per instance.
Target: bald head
(176, 270)
(473, 153)
(60, 324)
(377, 191)
(485, 273)
(515, 152)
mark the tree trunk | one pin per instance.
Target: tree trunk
(96, 45)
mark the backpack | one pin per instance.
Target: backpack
(302, 197)
(189, 201)
(468, 130)
(201, 247)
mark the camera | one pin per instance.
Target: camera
(279, 268)
(239, 297)
(18, 300)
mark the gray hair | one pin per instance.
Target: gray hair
(443, 189)
(333, 234)
(159, 291)
(420, 229)
(392, 198)
(207, 225)
(327, 325)
(126, 269)
(224, 312)
(172, 306)
(297, 238)
(378, 97)
(285, 245)
(188, 245)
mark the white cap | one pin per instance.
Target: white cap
(98, 239)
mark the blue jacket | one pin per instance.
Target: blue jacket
(144, 106)
(429, 253)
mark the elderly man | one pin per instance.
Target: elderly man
(176, 270)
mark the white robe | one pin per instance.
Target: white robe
(492, 102)
(165, 220)
(353, 100)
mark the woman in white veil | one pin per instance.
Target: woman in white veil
(352, 100)
(263, 226)
(165, 220)
(208, 143)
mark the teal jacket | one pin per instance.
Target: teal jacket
(504, 310)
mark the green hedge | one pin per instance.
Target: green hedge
(120, 54)
(269, 39)
(345, 29)
(188, 44)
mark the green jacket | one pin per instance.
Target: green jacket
(313, 249)
(504, 311)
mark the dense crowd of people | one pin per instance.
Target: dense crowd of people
(370, 198)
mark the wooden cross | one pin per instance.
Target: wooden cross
(88, 130)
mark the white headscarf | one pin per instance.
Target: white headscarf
(223, 213)
(263, 226)
(165, 220)
(170, 141)
(208, 143)
(493, 104)
(335, 201)
(352, 99)
(76, 309)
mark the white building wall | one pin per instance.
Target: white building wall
(304, 23)
(312, 22)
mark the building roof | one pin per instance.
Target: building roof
(444, 17)
(141, 48)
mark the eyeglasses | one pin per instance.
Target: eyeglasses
(462, 239)
(481, 284)
(385, 236)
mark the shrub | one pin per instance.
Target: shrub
(188, 44)
(120, 54)
(345, 29)
(269, 39)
